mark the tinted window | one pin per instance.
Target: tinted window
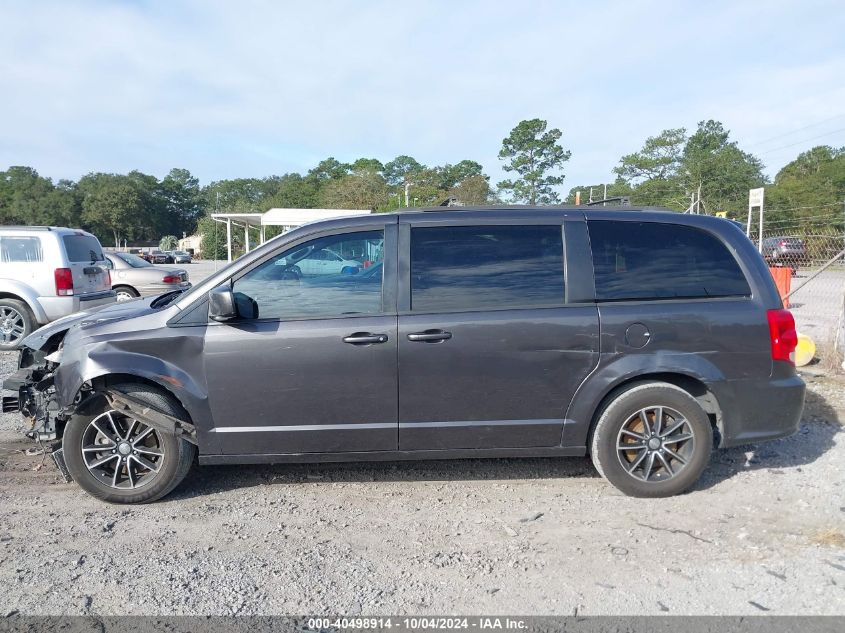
(475, 267)
(20, 249)
(649, 260)
(302, 282)
(83, 248)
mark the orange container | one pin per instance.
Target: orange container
(783, 280)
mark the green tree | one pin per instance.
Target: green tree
(365, 189)
(451, 175)
(112, 203)
(329, 169)
(294, 192)
(371, 164)
(533, 153)
(672, 169)
(718, 171)
(23, 193)
(472, 190)
(213, 243)
(659, 158)
(183, 203)
(168, 243)
(809, 191)
(653, 174)
(400, 170)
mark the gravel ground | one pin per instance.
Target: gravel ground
(763, 532)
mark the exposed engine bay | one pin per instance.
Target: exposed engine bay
(36, 399)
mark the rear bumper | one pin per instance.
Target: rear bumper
(58, 307)
(759, 410)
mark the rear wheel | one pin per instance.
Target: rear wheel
(122, 460)
(653, 440)
(16, 323)
(125, 293)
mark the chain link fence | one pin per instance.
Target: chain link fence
(812, 249)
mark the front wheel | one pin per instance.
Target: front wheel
(122, 460)
(653, 440)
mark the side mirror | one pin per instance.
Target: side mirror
(221, 304)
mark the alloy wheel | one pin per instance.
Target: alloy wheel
(122, 452)
(655, 444)
(12, 325)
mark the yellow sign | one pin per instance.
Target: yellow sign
(721, 214)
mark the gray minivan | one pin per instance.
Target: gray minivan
(643, 338)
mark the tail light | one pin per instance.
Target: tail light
(108, 276)
(172, 279)
(64, 282)
(783, 336)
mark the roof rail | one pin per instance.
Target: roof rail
(17, 227)
(624, 201)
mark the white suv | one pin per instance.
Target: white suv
(47, 273)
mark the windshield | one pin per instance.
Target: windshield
(133, 260)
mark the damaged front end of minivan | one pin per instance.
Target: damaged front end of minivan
(64, 369)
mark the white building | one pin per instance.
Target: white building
(286, 218)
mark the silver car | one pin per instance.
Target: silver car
(47, 273)
(134, 277)
(181, 257)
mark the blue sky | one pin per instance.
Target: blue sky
(234, 89)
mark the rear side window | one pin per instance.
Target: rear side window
(486, 267)
(650, 260)
(82, 248)
(20, 249)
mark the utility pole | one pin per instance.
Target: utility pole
(604, 204)
(407, 189)
(591, 194)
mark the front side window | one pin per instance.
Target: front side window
(486, 267)
(652, 260)
(20, 249)
(303, 282)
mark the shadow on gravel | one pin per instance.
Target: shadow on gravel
(211, 479)
(820, 424)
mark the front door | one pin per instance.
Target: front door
(490, 354)
(316, 370)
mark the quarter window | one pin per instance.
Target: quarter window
(486, 267)
(307, 281)
(652, 260)
(20, 249)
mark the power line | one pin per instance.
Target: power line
(776, 149)
(800, 129)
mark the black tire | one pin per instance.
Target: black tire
(128, 291)
(178, 454)
(16, 323)
(679, 462)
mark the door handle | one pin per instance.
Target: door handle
(430, 336)
(365, 338)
